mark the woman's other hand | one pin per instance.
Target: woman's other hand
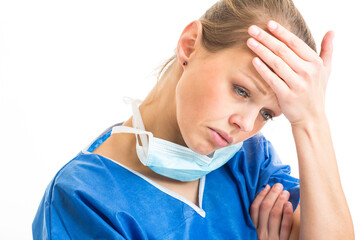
(272, 214)
(295, 72)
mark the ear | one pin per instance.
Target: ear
(189, 41)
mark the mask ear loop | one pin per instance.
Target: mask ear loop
(142, 154)
(137, 121)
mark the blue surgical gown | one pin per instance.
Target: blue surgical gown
(94, 197)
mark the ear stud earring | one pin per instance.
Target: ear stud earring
(184, 63)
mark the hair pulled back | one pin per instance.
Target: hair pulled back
(226, 23)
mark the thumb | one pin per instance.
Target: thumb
(327, 48)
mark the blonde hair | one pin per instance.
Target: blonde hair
(226, 24)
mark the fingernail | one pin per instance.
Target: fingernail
(254, 31)
(272, 25)
(266, 187)
(333, 33)
(278, 186)
(284, 193)
(253, 43)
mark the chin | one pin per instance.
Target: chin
(194, 140)
(203, 148)
(208, 152)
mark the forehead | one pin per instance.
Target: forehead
(240, 62)
(235, 64)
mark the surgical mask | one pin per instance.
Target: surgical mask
(170, 159)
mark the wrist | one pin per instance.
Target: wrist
(313, 123)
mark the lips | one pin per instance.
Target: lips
(220, 137)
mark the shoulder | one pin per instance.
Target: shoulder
(247, 163)
(90, 173)
(86, 192)
(257, 164)
(255, 151)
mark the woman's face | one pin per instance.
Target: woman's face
(218, 102)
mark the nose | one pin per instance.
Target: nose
(244, 121)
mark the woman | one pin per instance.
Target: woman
(200, 168)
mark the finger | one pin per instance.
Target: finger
(277, 47)
(276, 63)
(266, 206)
(292, 41)
(276, 215)
(327, 48)
(276, 84)
(286, 223)
(255, 206)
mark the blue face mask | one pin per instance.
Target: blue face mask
(169, 159)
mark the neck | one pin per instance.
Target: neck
(158, 110)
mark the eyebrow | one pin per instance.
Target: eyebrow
(256, 84)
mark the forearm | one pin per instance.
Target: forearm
(324, 210)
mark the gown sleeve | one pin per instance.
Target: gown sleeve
(67, 214)
(84, 202)
(273, 171)
(257, 164)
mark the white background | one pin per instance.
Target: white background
(65, 66)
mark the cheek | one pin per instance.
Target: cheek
(259, 124)
(190, 114)
(198, 102)
(201, 97)
(185, 96)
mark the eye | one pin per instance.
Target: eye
(266, 115)
(241, 91)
